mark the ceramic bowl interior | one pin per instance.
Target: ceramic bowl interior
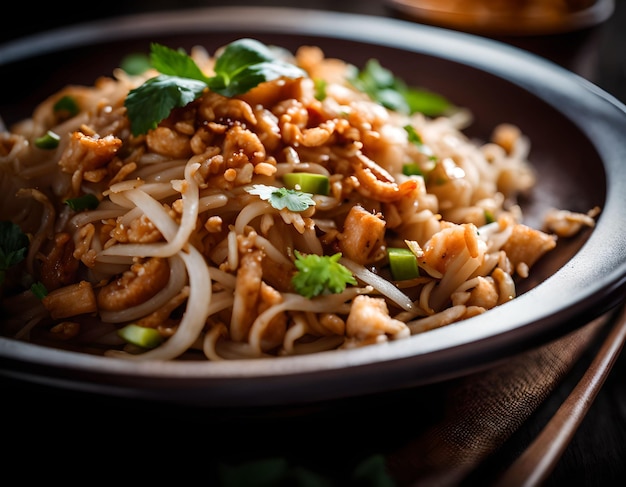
(578, 148)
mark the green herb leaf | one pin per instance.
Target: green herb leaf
(153, 101)
(318, 274)
(243, 80)
(373, 471)
(416, 139)
(86, 202)
(246, 63)
(39, 290)
(426, 102)
(242, 65)
(13, 246)
(175, 63)
(393, 93)
(136, 63)
(273, 471)
(281, 198)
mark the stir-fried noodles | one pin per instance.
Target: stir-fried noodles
(295, 213)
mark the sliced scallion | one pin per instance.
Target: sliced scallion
(403, 264)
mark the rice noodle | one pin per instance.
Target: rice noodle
(179, 242)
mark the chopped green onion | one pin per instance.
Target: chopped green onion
(66, 107)
(403, 264)
(320, 89)
(49, 140)
(141, 336)
(489, 218)
(39, 290)
(411, 169)
(307, 182)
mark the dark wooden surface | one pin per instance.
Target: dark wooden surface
(106, 434)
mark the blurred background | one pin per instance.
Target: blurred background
(596, 52)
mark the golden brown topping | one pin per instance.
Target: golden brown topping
(369, 317)
(59, 267)
(526, 245)
(135, 286)
(72, 300)
(169, 142)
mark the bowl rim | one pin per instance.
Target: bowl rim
(414, 361)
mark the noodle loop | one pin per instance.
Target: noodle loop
(188, 228)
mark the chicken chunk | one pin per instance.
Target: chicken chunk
(526, 245)
(363, 235)
(369, 317)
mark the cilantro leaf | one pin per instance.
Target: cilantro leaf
(393, 93)
(241, 53)
(135, 63)
(175, 63)
(281, 198)
(243, 80)
(13, 246)
(242, 65)
(426, 102)
(150, 103)
(246, 63)
(318, 274)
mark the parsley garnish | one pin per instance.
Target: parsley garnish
(281, 198)
(318, 274)
(393, 93)
(243, 64)
(13, 246)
